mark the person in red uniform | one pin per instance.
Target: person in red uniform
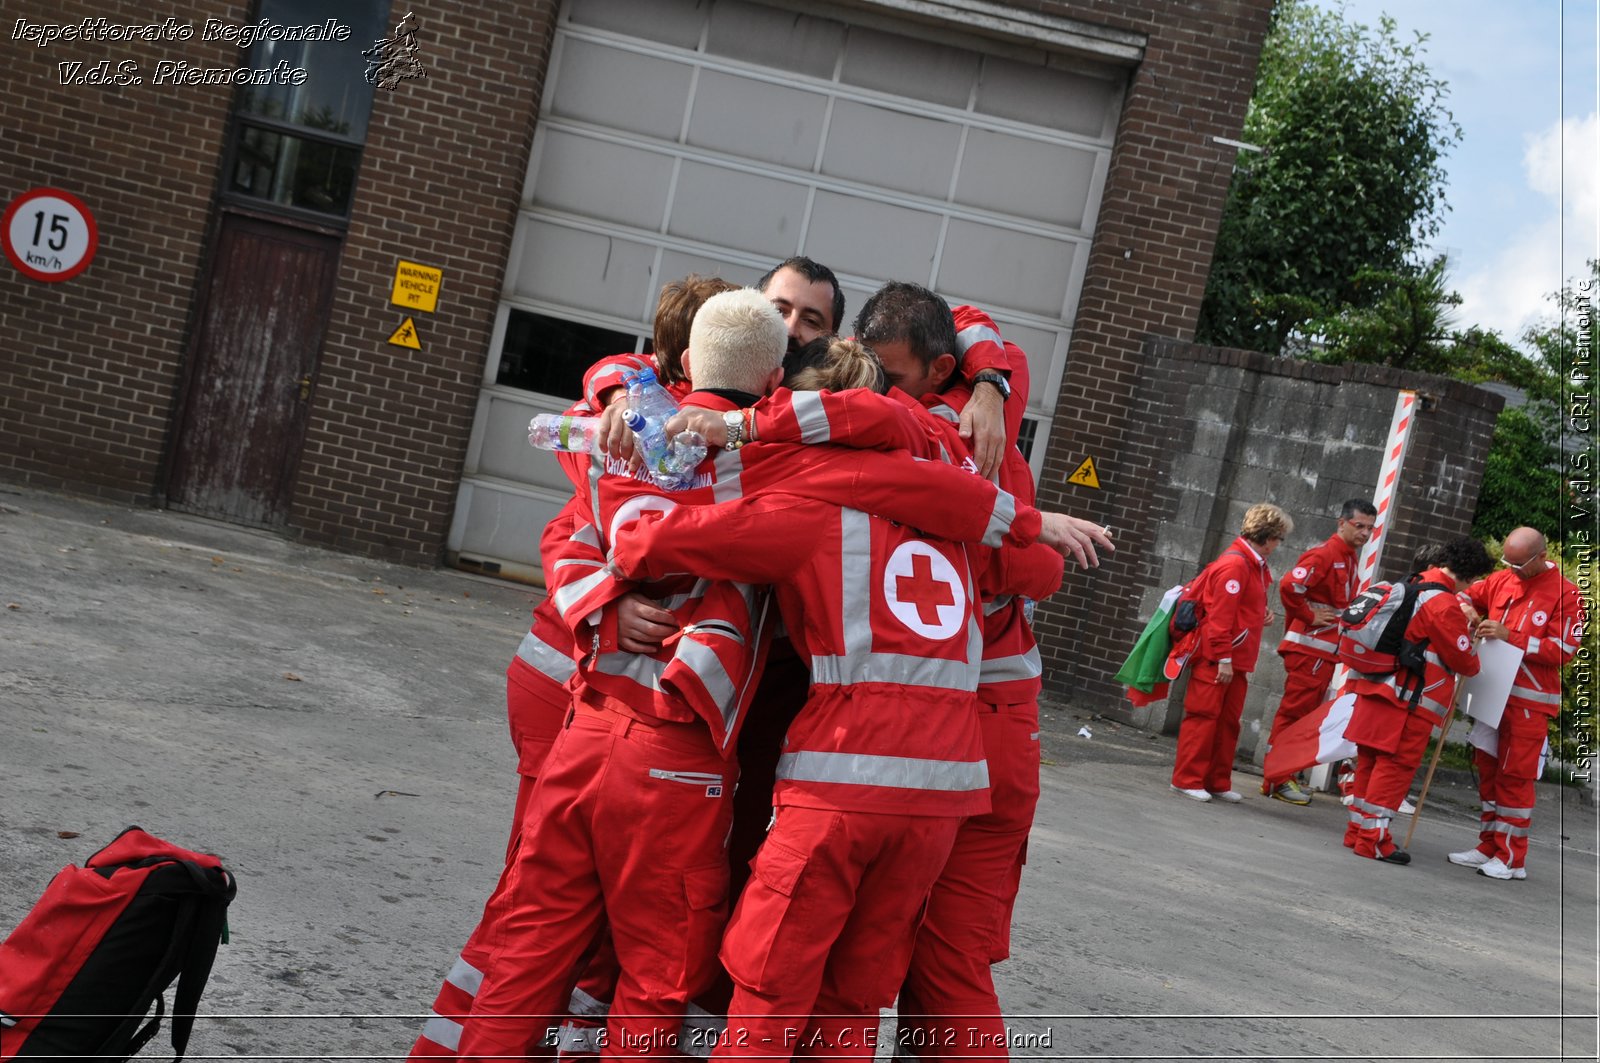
(1535, 608)
(1313, 593)
(1394, 715)
(1230, 596)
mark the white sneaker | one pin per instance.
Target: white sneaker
(1406, 807)
(1230, 796)
(1497, 868)
(1198, 795)
(1469, 858)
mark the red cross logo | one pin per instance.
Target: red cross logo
(922, 590)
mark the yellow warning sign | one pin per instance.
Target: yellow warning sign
(406, 335)
(1085, 476)
(416, 287)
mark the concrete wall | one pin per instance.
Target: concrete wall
(1213, 431)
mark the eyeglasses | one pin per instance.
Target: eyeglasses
(1358, 526)
(1525, 564)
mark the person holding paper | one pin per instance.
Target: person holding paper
(1528, 604)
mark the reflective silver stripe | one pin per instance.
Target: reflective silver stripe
(579, 562)
(545, 658)
(1518, 813)
(1533, 647)
(1438, 708)
(1539, 696)
(465, 977)
(1433, 658)
(442, 1031)
(1566, 649)
(1502, 827)
(947, 413)
(977, 334)
(856, 566)
(568, 596)
(899, 668)
(903, 773)
(578, 1040)
(811, 417)
(581, 1003)
(1000, 521)
(1298, 588)
(705, 663)
(729, 466)
(1489, 806)
(1300, 639)
(1008, 669)
(587, 535)
(646, 671)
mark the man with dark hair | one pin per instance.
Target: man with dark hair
(1314, 592)
(1534, 607)
(807, 296)
(1395, 714)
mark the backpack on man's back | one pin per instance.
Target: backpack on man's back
(81, 971)
(1372, 633)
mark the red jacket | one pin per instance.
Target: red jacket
(1450, 653)
(886, 621)
(1232, 595)
(1545, 618)
(707, 672)
(1323, 575)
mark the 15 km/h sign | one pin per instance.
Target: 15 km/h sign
(49, 235)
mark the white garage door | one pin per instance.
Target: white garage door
(722, 137)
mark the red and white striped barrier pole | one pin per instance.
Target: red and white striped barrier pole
(1394, 456)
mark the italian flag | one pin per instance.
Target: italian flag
(1315, 738)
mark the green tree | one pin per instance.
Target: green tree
(1354, 130)
(1522, 478)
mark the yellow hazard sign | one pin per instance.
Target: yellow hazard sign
(406, 335)
(1084, 475)
(416, 287)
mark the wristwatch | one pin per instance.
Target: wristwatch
(989, 376)
(733, 420)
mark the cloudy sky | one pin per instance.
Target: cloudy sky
(1525, 210)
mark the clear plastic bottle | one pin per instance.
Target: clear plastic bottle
(562, 431)
(671, 464)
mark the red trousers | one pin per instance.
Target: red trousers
(968, 923)
(1208, 738)
(536, 705)
(822, 935)
(1383, 775)
(626, 827)
(1506, 785)
(1305, 686)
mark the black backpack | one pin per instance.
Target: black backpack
(82, 970)
(1372, 633)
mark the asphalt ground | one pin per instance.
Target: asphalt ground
(334, 728)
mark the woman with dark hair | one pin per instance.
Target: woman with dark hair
(1395, 714)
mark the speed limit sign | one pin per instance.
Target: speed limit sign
(49, 234)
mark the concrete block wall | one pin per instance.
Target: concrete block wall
(1219, 430)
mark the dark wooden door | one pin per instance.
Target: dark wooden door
(255, 356)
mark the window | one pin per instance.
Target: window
(549, 355)
(298, 146)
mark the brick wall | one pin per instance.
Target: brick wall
(89, 367)
(440, 184)
(1216, 430)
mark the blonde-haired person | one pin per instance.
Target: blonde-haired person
(736, 342)
(833, 364)
(1231, 599)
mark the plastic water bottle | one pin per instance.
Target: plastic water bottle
(671, 464)
(562, 431)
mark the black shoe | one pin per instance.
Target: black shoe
(1399, 856)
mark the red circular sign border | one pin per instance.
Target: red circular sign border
(27, 270)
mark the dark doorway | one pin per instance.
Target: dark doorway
(254, 360)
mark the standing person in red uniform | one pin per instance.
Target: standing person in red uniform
(1535, 608)
(1231, 598)
(1394, 716)
(1313, 593)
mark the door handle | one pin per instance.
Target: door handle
(305, 388)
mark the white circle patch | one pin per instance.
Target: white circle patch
(633, 507)
(1539, 618)
(1300, 572)
(1463, 643)
(924, 591)
(1232, 586)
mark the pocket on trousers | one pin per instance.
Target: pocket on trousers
(753, 949)
(705, 891)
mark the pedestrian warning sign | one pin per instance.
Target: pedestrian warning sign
(1084, 475)
(406, 335)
